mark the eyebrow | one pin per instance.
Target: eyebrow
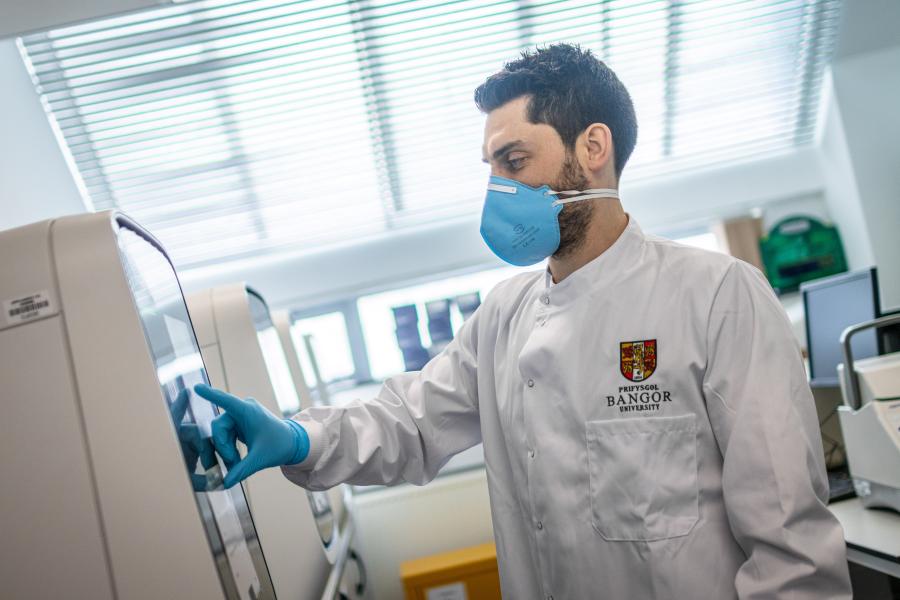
(504, 149)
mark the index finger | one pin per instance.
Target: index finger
(221, 399)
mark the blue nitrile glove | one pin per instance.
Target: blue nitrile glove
(194, 447)
(270, 441)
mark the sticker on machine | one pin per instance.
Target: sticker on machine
(454, 591)
(27, 308)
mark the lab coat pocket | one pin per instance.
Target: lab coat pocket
(643, 477)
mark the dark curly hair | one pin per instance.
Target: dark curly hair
(569, 89)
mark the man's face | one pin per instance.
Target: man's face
(534, 154)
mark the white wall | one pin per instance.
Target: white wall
(841, 192)
(867, 92)
(867, 26)
(407, 522)
(35, 183)
(39, 15)
(733, 190)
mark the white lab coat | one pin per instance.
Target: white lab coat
(704, 480)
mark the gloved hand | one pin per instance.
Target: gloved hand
(194, 447)
(270, 441)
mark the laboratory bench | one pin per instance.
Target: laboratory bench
(872, 535)
(873, 549)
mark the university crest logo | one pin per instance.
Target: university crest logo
(637, 360)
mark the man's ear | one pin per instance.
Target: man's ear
(598, 148)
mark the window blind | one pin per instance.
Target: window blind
(232, 128)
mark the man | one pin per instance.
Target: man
(647, 424)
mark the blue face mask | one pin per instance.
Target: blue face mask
(519, 223)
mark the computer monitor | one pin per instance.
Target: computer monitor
(831, 305)
(100, 356)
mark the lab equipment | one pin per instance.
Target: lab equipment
(840, 485)
(282, 321)
(97, 354)
(321, 386)
(270, 441)
(870, 419)
(245, 358)
(799, 249)
(831, 305)
(289, 335)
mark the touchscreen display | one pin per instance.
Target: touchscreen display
(179, 366)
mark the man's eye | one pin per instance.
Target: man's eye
(515, 163)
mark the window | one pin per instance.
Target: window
(232, 128)
(385, 357)
(329, 340)
(214, 123)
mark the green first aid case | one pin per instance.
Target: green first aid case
(799, 249)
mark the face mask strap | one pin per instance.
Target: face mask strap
(584, 195)
(592, 191)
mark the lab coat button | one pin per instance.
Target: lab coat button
(540, 525)
(545, 299)
(531, 454)
(531, 383)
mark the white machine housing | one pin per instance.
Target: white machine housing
(96, 500)
(284, 325)
(870, 421)
(299, 547)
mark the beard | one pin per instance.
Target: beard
(574, 218)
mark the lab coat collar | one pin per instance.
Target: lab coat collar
(601, 271)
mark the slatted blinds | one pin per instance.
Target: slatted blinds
(233, 128)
